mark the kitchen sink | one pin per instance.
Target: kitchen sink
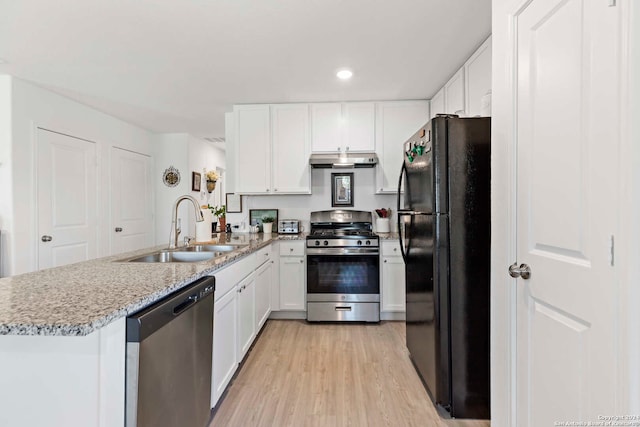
(211, 248)
(176, 256)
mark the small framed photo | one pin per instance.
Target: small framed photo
(256, 216)
(196, 180)
(233, 202)
(342, 189)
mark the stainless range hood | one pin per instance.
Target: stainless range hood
(343, 160)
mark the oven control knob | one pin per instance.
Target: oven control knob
(368, 243)
(326, 243)
(317, 242)
(359, 242)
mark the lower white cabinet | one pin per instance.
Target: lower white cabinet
(224, 342)
(292, 276)
(393, 278)
(246, 314)
(263, 293)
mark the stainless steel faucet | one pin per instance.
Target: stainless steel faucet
(175, 230)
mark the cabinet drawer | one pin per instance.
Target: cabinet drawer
(264, 254)
(391, 248)
(292, 248)
(229, 276)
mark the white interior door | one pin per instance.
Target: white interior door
(67, 211)
(131, 201)
(567, 131)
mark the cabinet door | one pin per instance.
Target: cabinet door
(275, 277)
(292, 283)
(246, 315)
(263, 294)
(253, 153)
(224, 343)
(359, 129)
(454, 94)
(326, 127)
(291, 147)
(393, 284)
(395, 123)
(437, 103)
(477, 71)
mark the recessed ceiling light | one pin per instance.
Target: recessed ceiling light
(344, 74)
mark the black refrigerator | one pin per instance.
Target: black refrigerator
(444, 225)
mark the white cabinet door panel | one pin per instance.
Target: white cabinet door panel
(326, 127)
(454, 94)
(246, 315)
(224, 343)
(291, 148)
(292, 283)
(477, 71)
(359, 129)
(253, 152)
(437, 103)
(263, 294)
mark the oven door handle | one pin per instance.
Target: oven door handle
(355, 251)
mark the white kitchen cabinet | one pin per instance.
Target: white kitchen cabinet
(246, 315)
(392, 294)
(263, 288)
(225, 334)
(477, 71)
(395, 122)
(272, 148)
(253, 149)
(454, 94)
(275, 277)
(292, 276)
(343, 127)
(291, 147)
(437, 103)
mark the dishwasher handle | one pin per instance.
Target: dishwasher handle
(144, 323)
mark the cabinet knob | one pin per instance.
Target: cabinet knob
(385, 261)
(301, 261)
(118, 229)
(380, 189)
(267, 190)
(275, 189)
(290, 249)
(46, 238)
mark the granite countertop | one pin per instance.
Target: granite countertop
(80, 298)
(388, 236)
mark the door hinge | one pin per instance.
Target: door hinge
(611, 251)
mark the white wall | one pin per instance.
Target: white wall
(32, 107)
(299, 206)
(188, 154)
(6, 190)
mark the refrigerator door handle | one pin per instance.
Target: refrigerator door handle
(401, 213)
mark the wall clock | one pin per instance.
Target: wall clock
(171, 177)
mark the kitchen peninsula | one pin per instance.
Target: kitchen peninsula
(62, 331)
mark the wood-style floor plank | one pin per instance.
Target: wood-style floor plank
(301, 374)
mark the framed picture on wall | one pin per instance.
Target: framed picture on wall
(233, 202)
(342, 189)
(196, 180)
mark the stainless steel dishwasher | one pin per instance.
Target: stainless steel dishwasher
(168, 365)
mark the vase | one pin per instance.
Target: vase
(267, 227)
(211, 185)
(223, 223)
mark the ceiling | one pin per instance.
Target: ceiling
(178, 66)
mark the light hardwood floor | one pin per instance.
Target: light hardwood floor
(301, 374)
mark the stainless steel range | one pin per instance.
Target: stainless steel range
(343, 267)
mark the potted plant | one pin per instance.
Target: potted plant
(212, 177)
(267, 224)
(221, 214)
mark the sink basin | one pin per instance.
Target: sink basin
(176, 256)
(211, 248)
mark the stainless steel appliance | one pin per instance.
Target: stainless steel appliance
(445, 232)
(343, 267)
(343, 160)
(168, 364)
(289, 226)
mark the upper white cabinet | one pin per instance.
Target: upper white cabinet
(395, 123)
(437, 103)
(340, 127)
(253, 148)
(477, 71)
(290, 148)
(454, 94)
(272, 149)
(464, 91)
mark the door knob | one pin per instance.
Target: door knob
(118, 229)
(46, 238)
(523, 271)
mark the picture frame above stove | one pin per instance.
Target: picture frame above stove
(342, 189)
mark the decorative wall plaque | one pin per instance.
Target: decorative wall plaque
(171, 177)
